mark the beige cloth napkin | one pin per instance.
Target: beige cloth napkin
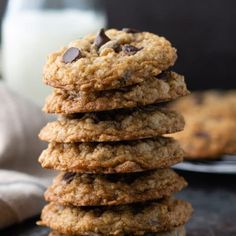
(22, 180)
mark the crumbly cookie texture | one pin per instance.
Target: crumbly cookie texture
(118, 220)
(115, 125)
(210, 124)
(116, 189)
(179, 231)
(125, 59)
(113, 157)
(167, 86)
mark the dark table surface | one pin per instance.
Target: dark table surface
(212, 196)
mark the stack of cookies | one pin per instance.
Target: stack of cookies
(116, 177)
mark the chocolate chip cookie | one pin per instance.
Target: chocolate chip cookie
(110, 59)
(94, 190)
(115, 125)
(167, 86)
(117, 220)
(210, 124)
(113, 157)
(179, 231)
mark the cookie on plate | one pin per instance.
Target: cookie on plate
(115, 125)
(167, 86)
(117, 220)
(116, 189)
(110, 59)
(112, 157)
(210, 124)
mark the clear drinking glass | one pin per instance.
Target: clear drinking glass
(34, 28)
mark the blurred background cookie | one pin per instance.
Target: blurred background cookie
(210, 118)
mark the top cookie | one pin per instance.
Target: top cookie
(110, 59)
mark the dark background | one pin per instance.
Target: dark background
(202, 31)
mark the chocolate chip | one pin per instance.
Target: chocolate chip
(138, 208)
(99, 211)
(111, 44)
(72, 54)
(130, 50)
(101, 39)
(202, 134)
(163, 75)
(130, 30)
(68, 177)
(124, 178)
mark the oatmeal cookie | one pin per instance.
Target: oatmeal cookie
(115, 125)
(110, 59)
(117, 220)
(167, 86)
(113, 189)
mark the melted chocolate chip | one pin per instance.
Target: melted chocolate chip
(71, 55)
(101, 39)
(68, 177)
(130, 50)
(202, 134)
(130, 30)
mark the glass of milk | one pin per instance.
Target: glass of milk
(34, 28)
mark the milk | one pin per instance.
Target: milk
(30, 35)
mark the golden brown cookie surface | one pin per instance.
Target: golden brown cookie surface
(167, 86)
(210, 129)
(112, 157)
(118, 220)
(113, 60)
(94, 190)
(115, 125)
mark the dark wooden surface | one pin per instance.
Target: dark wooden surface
(213, 198)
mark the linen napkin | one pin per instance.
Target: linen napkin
(22, 180)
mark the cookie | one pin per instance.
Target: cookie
(167, 86)
(119, 220)
(115, 125)
(210, 102)
(111, 59)
(210, 124)
(116, 189)
(179, 231)
(113, 157)
(207, 137)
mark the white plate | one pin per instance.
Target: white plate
(225, 165)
